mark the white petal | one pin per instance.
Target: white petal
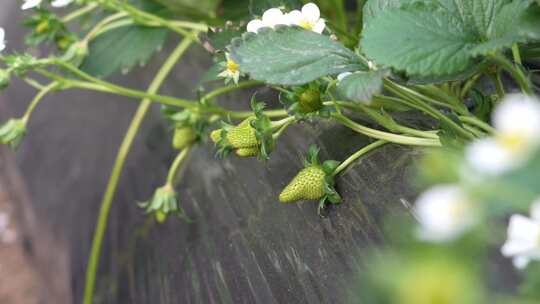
(61, 3)
(319, 26)
(30, 4)
(311, 12)
(2, 39)
(523, 229)
(488, 157)
(444, 213)
(274, 16)
(342, 76)
(518, 114)
(254, 25)
(521, 262)
(294, 17)
(535, 210)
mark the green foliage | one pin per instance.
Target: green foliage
(192, 8)
(221, 38)
(263, 129)
(361, 86)
(442, 38)
(257, 7)
(122, 49)
(374, 7)
(291, 56)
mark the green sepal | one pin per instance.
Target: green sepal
(12, 132)
(312, 156)
(164, 202)
(263, 129)
(5, 79)
(330, 166)
(330, 192)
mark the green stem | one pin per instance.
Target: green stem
(390, 137)
(230, 88)
(477, 123)
(358, 154)
(80, 12)
(516, 54)
(44, 91)
(499, 86)
(173, 171)
(516, 72)
(417, 102)
(106, 204)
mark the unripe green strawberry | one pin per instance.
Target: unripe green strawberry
(183, 137)
(310, 101)
(247, 152)
(243, 135)
(307, 185)
(216, 135)
(161, 216)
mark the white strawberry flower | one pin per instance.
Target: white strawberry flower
(231, 71)
(309, 18)
(61, 3)
(517, 122)
(270, 18)
(28, 4)
(523, 242)
(2, 39)
(444, 213)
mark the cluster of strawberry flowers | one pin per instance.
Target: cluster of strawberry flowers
(445, 212)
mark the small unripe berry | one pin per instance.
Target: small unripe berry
(310, 101)
(183, 137)
(307, 185)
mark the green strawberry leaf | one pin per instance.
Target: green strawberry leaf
(221, 38)
(122, 49)
(419, 42)
(374, 7)
(445, 37)
(257, 7)
(291, 56)
(361, 86)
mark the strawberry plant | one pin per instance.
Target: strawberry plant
(467, 65)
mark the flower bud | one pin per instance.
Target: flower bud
(163, 203)
(12, 132)
(307, 185)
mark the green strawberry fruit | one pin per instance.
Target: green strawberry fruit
(307, 185)
(310, 101)
(183, 137)
(243, 135)
(215, 135)
(247, 152)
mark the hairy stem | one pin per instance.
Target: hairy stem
(127, 142)
(358, 154)
(390, 137)
(44, 91)
(173, 171)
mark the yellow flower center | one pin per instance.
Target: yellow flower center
(306, 24)
(515, 142)
(232, 66)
